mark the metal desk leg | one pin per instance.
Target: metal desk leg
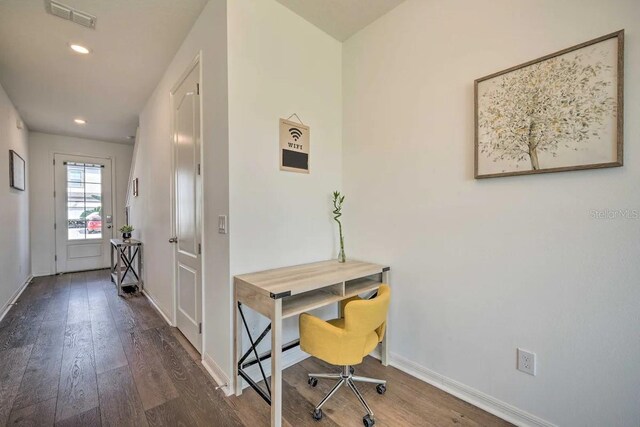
(276, 364)
(237, 382)
(113, 267)
(119, 272)
(241, 362)
(140, 267)
(384, 347)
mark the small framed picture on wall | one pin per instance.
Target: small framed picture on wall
(16, 171)
(294, 146)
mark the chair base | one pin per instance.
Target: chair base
(347, 378)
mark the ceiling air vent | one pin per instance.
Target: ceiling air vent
(70, 14)
(83, 19)
(60, 10)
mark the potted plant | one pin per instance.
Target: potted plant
(126, 231)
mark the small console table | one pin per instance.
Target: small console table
(287, 292)
(126, 264)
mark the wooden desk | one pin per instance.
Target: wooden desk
(286, 292)
(126, 264)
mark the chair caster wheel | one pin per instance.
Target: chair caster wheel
(381, 388)
(352, 370)
(313, 382)
(317, 414)
(368, 421)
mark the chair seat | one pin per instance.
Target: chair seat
(344, 342)
(371, 342)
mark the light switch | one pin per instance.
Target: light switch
(222, 224)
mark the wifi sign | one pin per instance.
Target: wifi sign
(295, 133)
(294, 146)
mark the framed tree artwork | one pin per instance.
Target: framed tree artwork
(561, 112)
(16, 171)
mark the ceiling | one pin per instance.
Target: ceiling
(341, 18)
(132, 45)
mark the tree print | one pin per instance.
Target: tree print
(557, 102)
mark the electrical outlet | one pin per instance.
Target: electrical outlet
(527, 362)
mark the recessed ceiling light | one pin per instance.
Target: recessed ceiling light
(79, 49)
(80, 121)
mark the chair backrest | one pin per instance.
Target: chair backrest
(364, 316)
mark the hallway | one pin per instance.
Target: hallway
(76, 353)
(72, 353)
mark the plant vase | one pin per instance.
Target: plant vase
(341, 255)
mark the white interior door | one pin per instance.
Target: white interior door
(83, 208)
(188, 268)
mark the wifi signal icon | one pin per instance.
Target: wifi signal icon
(295, 133)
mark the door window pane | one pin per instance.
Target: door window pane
(84, 201)
(93, 193)
(93, 174)
(75, 173)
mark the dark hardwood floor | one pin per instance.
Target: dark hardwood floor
(73, 353)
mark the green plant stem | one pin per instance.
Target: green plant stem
(337, 214)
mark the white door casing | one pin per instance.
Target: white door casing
(187, 206)
(83, 201)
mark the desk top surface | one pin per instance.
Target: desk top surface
(128, 242)
(286, 281)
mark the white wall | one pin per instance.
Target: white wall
(151, 210)
(15, 263)
(273, 214)
(279, 64)
(482, 267)
(42, 147)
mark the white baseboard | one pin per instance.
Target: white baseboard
(217, 374)
(43, 274)
(477, 398)
(157, 307)
(7, 306)
(296, 355)
(209, 364)
(462, 391)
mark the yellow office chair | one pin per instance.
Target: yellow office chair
(345, 342)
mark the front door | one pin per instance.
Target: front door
(83, 212)
(186, 139)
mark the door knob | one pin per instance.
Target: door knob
(173, 240)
